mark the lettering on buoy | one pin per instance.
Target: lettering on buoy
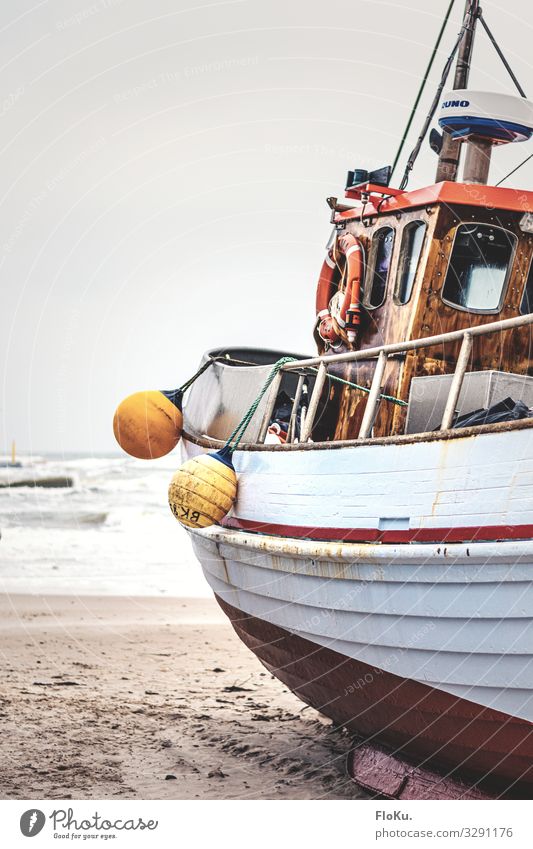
(203, 490)
(148, 425)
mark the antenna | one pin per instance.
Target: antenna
(451, 148)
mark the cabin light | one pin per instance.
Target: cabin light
(359, 176)
(526, 222)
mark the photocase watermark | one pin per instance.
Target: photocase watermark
(478, 194)
(86, 13)
(219, 65)
(65, 819)
(325, 613)
(66, 825)
(189, 72)
(389, 662)
(8, 102)
(307, 150)
(32, 822)
(70, 338)
(52, 182)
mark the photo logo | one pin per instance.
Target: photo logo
(32, 822)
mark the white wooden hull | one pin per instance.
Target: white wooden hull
(460, 621)
(473, 487)
(454, 618)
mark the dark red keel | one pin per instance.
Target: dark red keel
(395, 778)
(427, 726)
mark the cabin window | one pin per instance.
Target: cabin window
(411, 248)
(526, 304)
(479, 267)
(379, 266)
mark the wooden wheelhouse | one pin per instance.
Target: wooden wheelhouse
(440, 259)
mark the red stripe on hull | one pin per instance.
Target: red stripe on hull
(427, 725)
(466, 534)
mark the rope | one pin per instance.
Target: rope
(236, 436)
(227, 359)
(195, 376)
(390, 398)
(220, 359)
(239, 431)
(422, 87)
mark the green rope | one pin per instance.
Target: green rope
(239, 431)
(270, 378)
(390, 398)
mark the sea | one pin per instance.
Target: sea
(110, 533)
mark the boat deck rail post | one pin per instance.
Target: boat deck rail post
(373, 397)
(457, 382)
(466, 337)
(294, 412)
(271, 403)
(313, 403)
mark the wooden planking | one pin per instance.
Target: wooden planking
(428, 724)
(501, 681)
(482, 562)
(383, 599)
(478, 562)
(435, 484)
(467, 667)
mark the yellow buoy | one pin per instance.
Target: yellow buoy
(203, 490)
(148, 424)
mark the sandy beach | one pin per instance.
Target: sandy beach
(149, 698)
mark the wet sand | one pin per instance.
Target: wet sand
(151, 699)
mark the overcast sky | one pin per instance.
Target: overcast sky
(165, 165)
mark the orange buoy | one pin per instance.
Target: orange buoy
(148, 424)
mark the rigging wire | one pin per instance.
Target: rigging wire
(510, 174)
(500, 54)
(468, 22)
(517, 84)
(474, 13)
(422, 86)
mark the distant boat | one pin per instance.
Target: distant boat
(30, 477)
(13, 463)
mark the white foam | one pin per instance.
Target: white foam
(111, 534)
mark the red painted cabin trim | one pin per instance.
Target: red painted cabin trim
(492, 197)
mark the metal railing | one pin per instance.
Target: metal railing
(382, 353)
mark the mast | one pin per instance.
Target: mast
(451, 149)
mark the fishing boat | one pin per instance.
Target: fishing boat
(377, 555)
